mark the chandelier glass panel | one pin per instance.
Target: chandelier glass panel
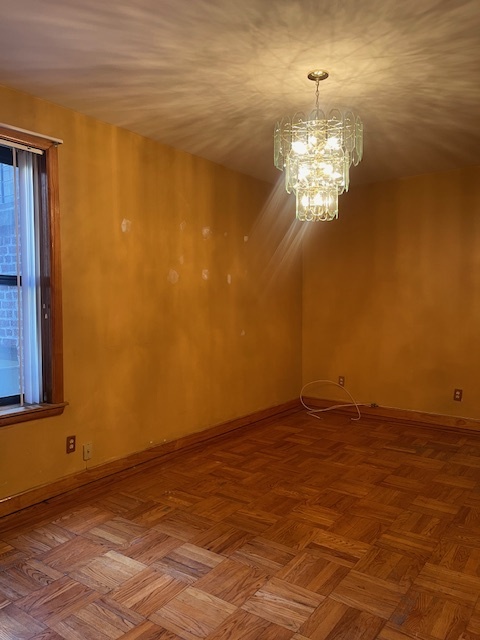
(316, 154)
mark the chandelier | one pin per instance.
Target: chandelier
(316, 153)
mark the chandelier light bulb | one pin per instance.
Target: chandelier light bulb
(316, 154)
(299, 147)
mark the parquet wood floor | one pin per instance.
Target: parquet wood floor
(292, 529)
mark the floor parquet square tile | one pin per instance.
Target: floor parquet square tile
(103, 619)
(106, 572)
(215, 508)
(24, 577)
(242, 625)
(468, 517)
(315, 574)
(412, 546)
(283, 604)
(367, 593)
(430, 506)
(421, 524)
(179, 499)
(82, 519)
(366, 473)
(351, 488)
(151, 516)
(57, 600)
(188, 563)
(337, 548)
(359, 528)
(453, 480)
(232, 581)
(466, 460)
(390, 566)
(426, 615)
(182, 525)
(149, 631)
(264, 555)
(474, 621)
(392, 497)
(463, 536)
(4, 600)
(338, 502)
(315, 515)
(193, 614)
(391, 633)
(372, 510)
(336, 621)
(116, 532)
(251, 520)
(457, 557)
(291, 533)
(48, 634)
(411, 485)
(147, 591)
(42, 539)
(120, 503)
(222, 539)
(151, 547)
(10, 556)
(297, 491)
(276, 504)
(18, 625)
(455, 585)
(72, 554)
(244, 494)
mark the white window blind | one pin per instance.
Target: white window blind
(28, 277)
(20, 298)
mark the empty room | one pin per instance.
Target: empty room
(239, 320)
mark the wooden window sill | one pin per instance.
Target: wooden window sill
(13, 415)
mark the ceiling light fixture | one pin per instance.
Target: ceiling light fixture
(316, 154)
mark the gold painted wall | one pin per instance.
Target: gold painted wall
(188, 319)
(392, 295)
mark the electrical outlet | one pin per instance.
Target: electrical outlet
(341, 381)
(457, 395)
(87, 451)
(71, 444)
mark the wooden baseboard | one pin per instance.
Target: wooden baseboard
(40, 494)
(389, 414)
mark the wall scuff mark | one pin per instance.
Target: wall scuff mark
(173, 276)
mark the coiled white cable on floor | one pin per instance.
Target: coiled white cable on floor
(312, 411)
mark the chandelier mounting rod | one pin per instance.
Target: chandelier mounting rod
(317, 75)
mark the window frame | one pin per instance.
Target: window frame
(51, 284)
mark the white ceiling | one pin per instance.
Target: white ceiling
(212, 76)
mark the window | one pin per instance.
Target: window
(31, 372)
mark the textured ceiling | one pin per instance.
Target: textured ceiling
(212, 76)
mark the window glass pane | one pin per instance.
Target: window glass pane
(9, 326)
(8, 243)
(9, 342)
